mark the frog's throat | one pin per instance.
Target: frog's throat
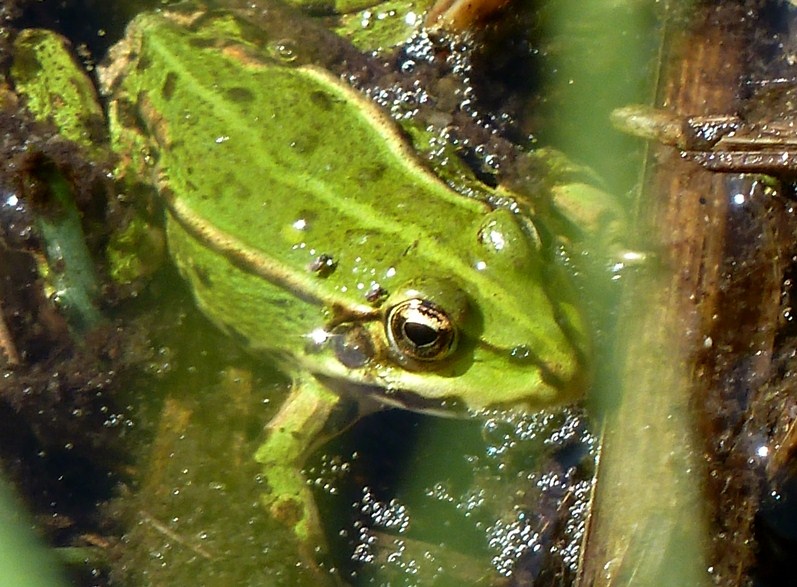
(257, 263)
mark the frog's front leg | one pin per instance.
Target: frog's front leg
(291, 435)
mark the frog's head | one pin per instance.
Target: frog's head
(505, 333)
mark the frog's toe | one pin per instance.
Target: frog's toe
(297, 512)
(288, 510)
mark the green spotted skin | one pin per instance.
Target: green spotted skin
(295, 209)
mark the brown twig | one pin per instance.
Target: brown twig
(7, 345)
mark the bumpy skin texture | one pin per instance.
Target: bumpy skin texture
(291, 198)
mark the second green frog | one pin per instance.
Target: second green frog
(308, 230)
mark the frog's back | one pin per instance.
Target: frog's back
(295, 165)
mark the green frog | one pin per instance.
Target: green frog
(308, 230)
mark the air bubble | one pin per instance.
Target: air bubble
(286, 50)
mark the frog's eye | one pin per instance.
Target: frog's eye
(421, 330)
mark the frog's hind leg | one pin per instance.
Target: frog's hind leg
(291, 436)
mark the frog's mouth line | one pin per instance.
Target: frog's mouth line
(396, 398)
(445, 397)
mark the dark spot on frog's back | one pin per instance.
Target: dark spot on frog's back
(167, 91)
(227, 188)
(143, 63)
(127, 114)
(201, 42)
(239, 95)
(371, 173)
(239, 192)
(195, 189)
(305, 144)
(203, 277)
(322, 100)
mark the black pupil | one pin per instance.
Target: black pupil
(419, 334)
